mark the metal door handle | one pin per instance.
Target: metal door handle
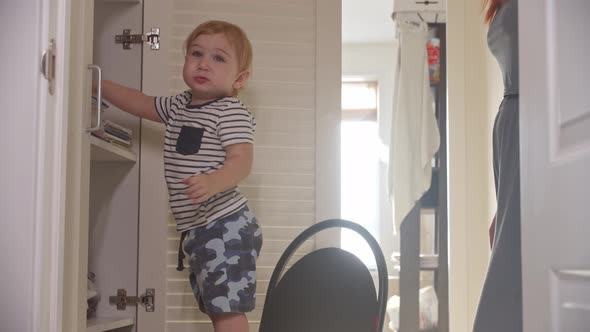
(48, 66)
(98, 97)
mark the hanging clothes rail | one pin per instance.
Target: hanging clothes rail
(427, 11)
(433, 14)
(426, 16)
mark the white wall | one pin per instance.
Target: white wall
(373, 61)
(327, 117)
(18, 103)
(474, 93)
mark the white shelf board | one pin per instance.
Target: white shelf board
(100, 324)
(105, 151)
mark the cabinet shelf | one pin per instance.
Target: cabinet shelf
(99, 324)
(105, 151)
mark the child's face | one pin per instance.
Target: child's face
(211, 68)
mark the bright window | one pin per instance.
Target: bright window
(359, 95)
(360, 149)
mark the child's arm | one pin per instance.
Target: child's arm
(237, 166)
(130, 100)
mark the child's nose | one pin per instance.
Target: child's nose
(203, 63)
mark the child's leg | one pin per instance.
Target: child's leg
(222, 260)
(230, 322)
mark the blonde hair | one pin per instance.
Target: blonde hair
(234, 34)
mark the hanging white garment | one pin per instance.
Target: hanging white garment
(414, 132)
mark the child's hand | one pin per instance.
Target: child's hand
(94, 87)
(200, 187)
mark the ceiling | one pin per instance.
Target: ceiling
(367, 21)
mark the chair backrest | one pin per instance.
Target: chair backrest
(327, 290)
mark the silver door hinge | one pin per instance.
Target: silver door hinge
(152, 38)
(48, 66)
(122, 300)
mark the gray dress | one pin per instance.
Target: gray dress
(500, 306)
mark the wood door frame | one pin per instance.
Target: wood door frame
(74, 265)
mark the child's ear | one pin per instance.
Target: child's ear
(241, 79)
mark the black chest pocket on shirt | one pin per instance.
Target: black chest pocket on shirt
(189, 140)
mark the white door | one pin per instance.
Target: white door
(51, 154)
(555, 161)
(281, 189)
(32, 174)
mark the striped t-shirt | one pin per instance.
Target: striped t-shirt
(196, 136)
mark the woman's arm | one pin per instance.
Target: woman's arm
(492, 232)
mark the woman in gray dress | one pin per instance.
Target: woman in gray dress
(500, 306)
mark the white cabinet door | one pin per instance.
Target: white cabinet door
(555, 155)
(281, 189)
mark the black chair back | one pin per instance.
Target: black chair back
(327, 290)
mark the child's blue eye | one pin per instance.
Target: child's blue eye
(218, 58)
(197, 53)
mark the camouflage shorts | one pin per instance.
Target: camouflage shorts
(222, 259)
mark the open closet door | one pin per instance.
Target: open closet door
(555, 159)
(281, 189)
